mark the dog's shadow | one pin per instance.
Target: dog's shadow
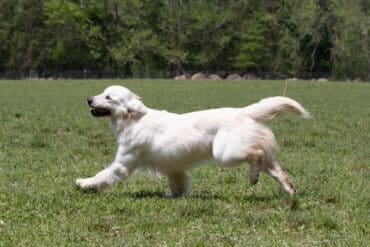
(143, 194)
(206, 196)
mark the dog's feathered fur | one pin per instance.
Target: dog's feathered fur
(172, 143)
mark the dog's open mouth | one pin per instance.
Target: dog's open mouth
(100, 112)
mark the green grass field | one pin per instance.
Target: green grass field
(48, 139)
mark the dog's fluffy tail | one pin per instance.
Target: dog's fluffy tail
(269, 108)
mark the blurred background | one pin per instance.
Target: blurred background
(266, 39)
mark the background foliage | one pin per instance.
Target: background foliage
(160, 38)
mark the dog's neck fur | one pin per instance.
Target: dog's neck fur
(120, 123)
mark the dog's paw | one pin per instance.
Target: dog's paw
(80, 183)
(169, 195)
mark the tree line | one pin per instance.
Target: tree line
(162, 38)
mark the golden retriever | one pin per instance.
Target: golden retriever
(172, 143)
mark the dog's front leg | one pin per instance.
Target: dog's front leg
(105, 178)
(179, 183)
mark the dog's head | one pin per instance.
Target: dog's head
(117, 101)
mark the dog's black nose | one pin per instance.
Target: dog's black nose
(89, 101)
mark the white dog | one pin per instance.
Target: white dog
(172, 143)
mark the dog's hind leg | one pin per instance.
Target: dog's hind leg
(274, 169)
(254, 158)
(258, 160)
(179, 183)
(254, 174)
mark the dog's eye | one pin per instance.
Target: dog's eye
(108, 97)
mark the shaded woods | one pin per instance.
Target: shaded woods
(162, 38)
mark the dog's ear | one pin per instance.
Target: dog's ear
(136, 108)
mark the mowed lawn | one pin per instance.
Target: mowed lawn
(48, 138)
